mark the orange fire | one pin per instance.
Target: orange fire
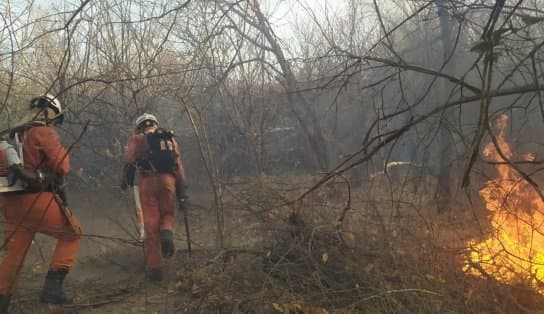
(514, 251)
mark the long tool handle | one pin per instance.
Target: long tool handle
(139, 213)
(72, 220)
(182, 206)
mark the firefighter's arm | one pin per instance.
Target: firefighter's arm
(59, 161)
(56, 160)
(56, 156)
(133, 153)
(180, 170)
(129, 173)
(181, 179)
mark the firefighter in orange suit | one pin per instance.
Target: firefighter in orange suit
(155, 155)
(41, 206)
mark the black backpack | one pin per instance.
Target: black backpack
(161, 154)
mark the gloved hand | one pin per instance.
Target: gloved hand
(34, 179)
(12, 175)
(183, 204)
(167, 243)
(181, 191)
(37, 180)
(59, 187)
(124, 184)
(129, 173)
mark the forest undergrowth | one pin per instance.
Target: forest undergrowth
(390, 254)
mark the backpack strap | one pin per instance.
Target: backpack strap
(147, 152)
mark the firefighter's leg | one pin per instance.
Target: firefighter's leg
(54, 223)
(151, 242)
(17, 211)
(16, 243)
(167, 204)
(47, 217)
(152, 248)
(68, 243)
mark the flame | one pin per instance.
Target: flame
(514, 251)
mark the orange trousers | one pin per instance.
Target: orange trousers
(26, 214)
(158, 197)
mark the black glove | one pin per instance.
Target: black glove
(167, 243)
(59, 187)
(129, 172)
(35, 180)
(181, 191)
(13, 175)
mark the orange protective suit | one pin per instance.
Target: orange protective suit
(158, 198)
(28, 213)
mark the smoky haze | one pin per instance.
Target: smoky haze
(288, 112)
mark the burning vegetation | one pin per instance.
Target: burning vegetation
(329, 156)
(513, 253)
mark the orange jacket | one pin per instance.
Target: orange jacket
(43, 150)
(135, 151)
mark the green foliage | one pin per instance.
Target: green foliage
(490, 47)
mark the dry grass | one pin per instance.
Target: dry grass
(392, 254)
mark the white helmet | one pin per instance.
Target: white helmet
(45, 101)
(49, 101)
(145, 120)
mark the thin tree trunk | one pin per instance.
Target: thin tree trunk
(445, 141)
(299, 106)
(209, 164)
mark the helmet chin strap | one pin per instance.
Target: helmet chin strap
(57, 119)
(146, 126)
(48, 117)
(149, 129)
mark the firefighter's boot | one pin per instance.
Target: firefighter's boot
(167, 243)
(4, 303)
(156, 274)
(52, 288)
